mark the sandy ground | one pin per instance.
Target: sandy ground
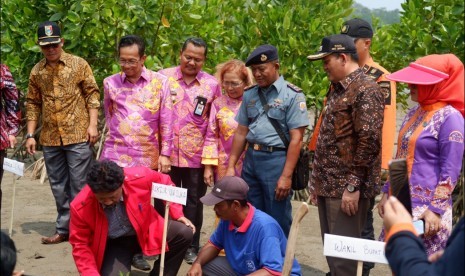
(34, 215)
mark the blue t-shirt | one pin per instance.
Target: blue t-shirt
(286, 105)
(258, 243)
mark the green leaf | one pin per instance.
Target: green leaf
(287, 20)
(73, 17)
(57, 16)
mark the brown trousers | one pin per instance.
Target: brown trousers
(334, 221)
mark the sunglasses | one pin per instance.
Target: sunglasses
(54, 46)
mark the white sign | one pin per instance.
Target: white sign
(354, 249)
(13, 166)
(169, 193)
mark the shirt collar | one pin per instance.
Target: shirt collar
(143, 75)
(350, 78)
(247, 222)
(178, 74)
(64, 58)
(279, 84)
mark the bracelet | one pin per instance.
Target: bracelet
(29, 135)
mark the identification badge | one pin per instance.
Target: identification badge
(200, 103)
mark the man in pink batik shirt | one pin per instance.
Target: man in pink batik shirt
(192, 92)
(138, 113)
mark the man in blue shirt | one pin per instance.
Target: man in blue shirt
(252, 240)
(269, 161)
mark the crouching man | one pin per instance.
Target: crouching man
(112, 219)
(253, 241)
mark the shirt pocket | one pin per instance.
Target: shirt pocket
(252, 112)
(250, 263)
(343, 125)
(277, 113)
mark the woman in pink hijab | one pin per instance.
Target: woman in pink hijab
(431, 140)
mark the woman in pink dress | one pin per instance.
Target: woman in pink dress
(234, 77)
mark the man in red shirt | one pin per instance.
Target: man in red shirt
(112, 219)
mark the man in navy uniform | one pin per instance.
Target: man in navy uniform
(269, 160)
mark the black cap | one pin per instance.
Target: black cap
(262, 54)
(338, 43)
(228, 188)
(48, 33)
(358, 28)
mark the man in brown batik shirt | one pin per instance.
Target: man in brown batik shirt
(347, 162)
(63, 90)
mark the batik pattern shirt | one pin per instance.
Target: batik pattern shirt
(348, 149)
(431, 140)
(189, 129)
(138, 116)
(63, 95)
(10, 114)
(220, 135)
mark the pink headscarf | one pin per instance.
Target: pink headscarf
(450, 90)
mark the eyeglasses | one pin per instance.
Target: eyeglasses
(54, 46)
(226, 84)
(131, 62)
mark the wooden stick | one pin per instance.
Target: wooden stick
(359, 268)
(290, 247)
(163, 245)
(102, 138)
(10, 231)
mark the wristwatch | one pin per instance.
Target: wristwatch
(29, 135)
(351, 188)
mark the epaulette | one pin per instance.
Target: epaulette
(372, 72)
(294, 87)
(250, 87)
(386, 89)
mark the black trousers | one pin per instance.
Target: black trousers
(192, 180)
(119, 252)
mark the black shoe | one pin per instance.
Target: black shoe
(191, 255)
(139, 262)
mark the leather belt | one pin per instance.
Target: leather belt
(259, 147)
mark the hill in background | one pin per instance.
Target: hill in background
(385, 17)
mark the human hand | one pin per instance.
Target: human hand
(381, 205)
(349, 202)
(395, 213)
(208, 175)
(195, 270)
(92, 134)
(187, 222)
(435, 256)
(313, 198)
(12, 140)
(31, 145)
(283, 188)
(432, 222)
(164, 164)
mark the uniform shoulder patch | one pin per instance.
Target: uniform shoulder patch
(386, 89)
(250, 87)
(372, 72)
(294, 87)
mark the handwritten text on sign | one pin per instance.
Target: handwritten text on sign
(13, 166)
(169, 193)
(354, 249)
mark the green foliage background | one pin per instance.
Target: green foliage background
(231, 28)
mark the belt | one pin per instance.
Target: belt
(259, 147)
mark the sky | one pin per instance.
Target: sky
(376, 4)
